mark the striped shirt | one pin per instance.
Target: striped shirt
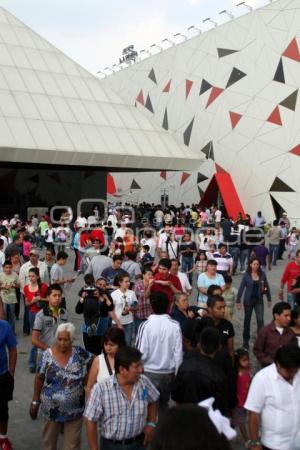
(224, 262)
(120, 418)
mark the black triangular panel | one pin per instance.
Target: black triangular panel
(280, 186)
(205, 86)
(188, 132)
(208, 151)
(225, 52)
(279, 74)
(201, 177)
(55, 176)
(290, 101)
(165, 124)
(152, 76)
(148, 104)
(200, 192)
(235, 76)
(35, 178)
(134, 185)
(278, 209)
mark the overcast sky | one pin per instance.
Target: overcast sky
(94, 32)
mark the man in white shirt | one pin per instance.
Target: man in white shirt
(159, 340)
(81, 221)
(150, 240)
(273, 402)
(163, 237)
(184, 281)
(218, 216)
(121, 231)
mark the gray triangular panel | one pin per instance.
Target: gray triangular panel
(201, 177)
(152, 76)
(235, 76)
(205, 86)
(208, 151)
(280, 186)
(225, 52)
(279, 74)
(290, 101)
(148, 104)
(165, 124)
(134, 185)
(188, 132)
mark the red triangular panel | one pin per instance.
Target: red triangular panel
(163, 174)
(110, 184)
(188, 87)
(184, 177)
(223, 183)
(220, 169)
(292, 51)
(167, 86)
(275, 117)
(235, 118)
(140, 98)
(215, 92)
(296, 150)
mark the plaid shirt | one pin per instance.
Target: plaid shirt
(120, 419)
(144, 309)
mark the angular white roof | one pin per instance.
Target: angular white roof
(53, 111)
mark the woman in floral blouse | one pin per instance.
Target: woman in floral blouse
(59, 389)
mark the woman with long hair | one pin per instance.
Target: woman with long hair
(104, 365)
(34, 294)
(253, 287)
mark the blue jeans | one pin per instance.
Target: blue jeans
(186, 265)
(10, 315)
(273, 249)
(235, 253)
(243, 257)
(33, 351)
(137, 323)
(128, 331)
(258, 307)
(291, 299)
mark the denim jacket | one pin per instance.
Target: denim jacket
(246, 287)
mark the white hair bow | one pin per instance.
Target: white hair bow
(221, 423)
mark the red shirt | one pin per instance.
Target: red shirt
(242, 387)
(29, 296)
(83, 239)
(96, 233)
(156, 287)
(291, 272)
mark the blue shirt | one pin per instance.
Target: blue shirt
(7, 339)
(204, 281)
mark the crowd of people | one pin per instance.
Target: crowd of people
(158, 297)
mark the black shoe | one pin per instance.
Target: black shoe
(246, 345)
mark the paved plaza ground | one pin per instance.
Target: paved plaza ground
(25, 433)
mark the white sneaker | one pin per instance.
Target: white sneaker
(242, 271)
